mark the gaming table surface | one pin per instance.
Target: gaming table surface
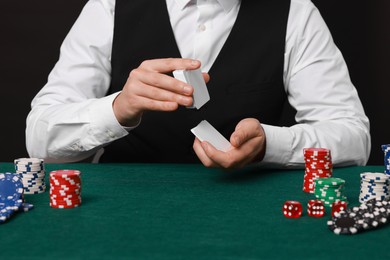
(185, 211)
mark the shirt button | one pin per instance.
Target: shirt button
(201, 28)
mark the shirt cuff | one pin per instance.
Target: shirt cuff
(278, 151)
(104, 124)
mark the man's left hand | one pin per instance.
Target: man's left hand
(248, 145)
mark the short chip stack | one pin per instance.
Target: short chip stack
(386, 151)
(32, 172)
(318, 164)
(65, 188)
(374, 185)
(330, 190)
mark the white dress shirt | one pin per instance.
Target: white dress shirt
(71, 118)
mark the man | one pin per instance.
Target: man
(112, 87)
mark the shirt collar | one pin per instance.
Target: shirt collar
(226, 4)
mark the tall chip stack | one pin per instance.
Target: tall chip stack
(318, 164)
(32, 173)
(386, 151)
(374, 185)
(65, 189)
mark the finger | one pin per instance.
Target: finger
(217, 157)
(245, 130)
(170, 64)
(161, 81)
(206, 77)
(157, 94)
(200, 152)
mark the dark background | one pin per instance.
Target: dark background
(32, 31)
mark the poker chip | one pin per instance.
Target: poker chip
(386, 151)
(330, 190)
(374, 185)
(65, 188)
(11, 196)
(346, 223)
(318, 164)
(370, 215)
(32, 172)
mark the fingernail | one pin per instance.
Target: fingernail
(187, 101)
(238, 141)
(187, 90)
(194, 63)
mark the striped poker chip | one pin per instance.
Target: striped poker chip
(330, 190)
(65, 188)
(318, 164)
(374, 185)
(32, 172)
(386, 153)
(346, 223)
(11, 196)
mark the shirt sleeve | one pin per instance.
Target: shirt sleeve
(329, 111)
(71, 118)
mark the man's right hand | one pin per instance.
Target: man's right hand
(149, 88)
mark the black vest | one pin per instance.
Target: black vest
(246, 78)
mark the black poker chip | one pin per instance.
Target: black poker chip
(347, 223)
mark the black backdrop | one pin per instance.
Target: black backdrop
(31, 33)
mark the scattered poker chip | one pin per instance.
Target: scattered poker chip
(346, 223)
(318, 164)
(32, 172)
(370, 215)
(26, 207)
(65, 188)
(11, 196)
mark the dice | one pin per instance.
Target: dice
(338, 206)
(292, 209)
(315, 208)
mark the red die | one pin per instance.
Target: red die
(338, 206)
(292, 209)
(315, 208)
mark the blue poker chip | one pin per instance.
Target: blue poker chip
(11, 187)
(26, 207)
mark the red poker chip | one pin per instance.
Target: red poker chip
(70, 196)
(68, 202)
(61, 191)
(312, 150)
(65, 188)
(66, 180)
(64, 206)
(65, 172)
(65, 203)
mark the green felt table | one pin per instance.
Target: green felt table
(169, 211)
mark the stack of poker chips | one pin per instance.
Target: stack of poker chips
(318, 164)
(65, 189)
(11, 196)
(386, 151)
(32, 172)
(374, 185)
(330, 190)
